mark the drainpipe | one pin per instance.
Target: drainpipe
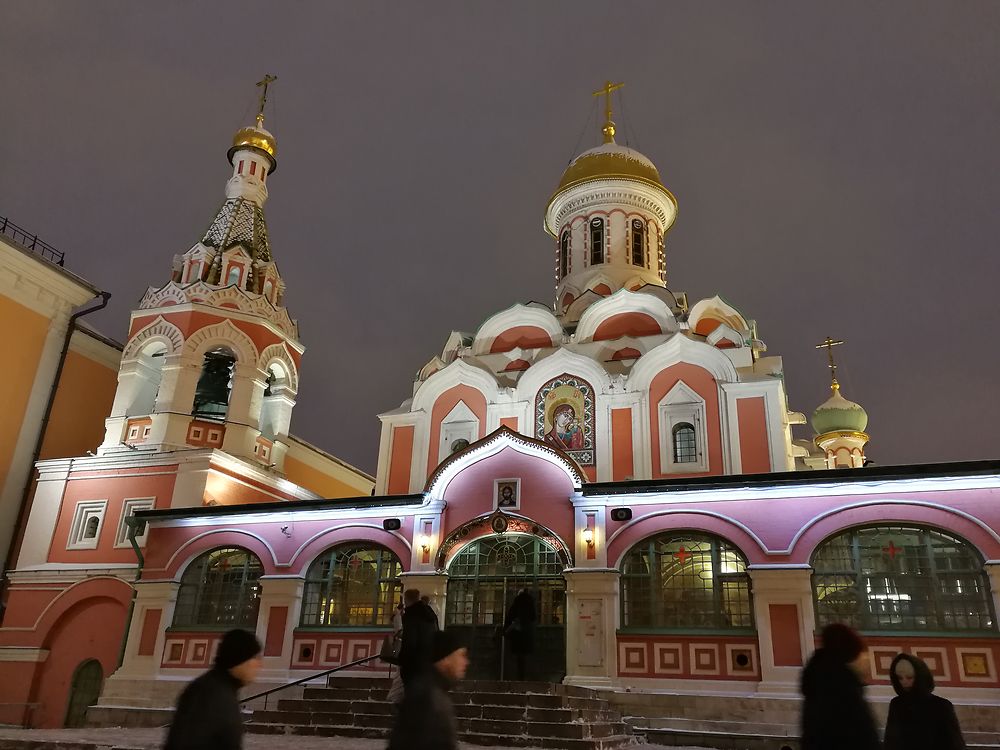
(26, 492)
(135, 526)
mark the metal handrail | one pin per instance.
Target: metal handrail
(30, 241)
(307, 679)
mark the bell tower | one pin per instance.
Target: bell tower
(212, 357)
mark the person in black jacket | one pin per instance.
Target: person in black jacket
(918, 719)
(419, 626)
(835, 715)
(208, 711)
(519, 629)
(426, 719)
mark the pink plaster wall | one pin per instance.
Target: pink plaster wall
(701, 382)
(447, 401)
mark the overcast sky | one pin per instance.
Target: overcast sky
(836, 167)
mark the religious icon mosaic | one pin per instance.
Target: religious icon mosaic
(564, 417)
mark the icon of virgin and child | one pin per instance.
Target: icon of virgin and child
(566, 432)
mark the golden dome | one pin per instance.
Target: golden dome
(258, 139)
(610, 160)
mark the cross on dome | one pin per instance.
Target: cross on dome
(609, 125)
(828, 345)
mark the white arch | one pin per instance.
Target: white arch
(621, 302)
(160, 330)
(718, 309)
(677, 349)
(559, 362)
(458, 372)
(223, 333)
(192, 540)
(512, 317)
(324, 532)
(278, 353)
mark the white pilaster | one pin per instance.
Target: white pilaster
(782, 585)
(591, 626)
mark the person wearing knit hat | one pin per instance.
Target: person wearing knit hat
(835, 714)
(208, 713)
(426, 719)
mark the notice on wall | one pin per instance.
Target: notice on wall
(590, 616)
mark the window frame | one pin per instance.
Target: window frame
(717, 547)
(564, 242)
(387, 563)
(640, 234)
(129, 508)
(682, 405)
(82, 513)
(248, 622)
(599, 257)
(863, 619)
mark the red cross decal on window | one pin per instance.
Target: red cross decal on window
(224, 564)
(892, 550)
(682, 555)
(354, 563)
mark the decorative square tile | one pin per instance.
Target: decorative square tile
(632, 658)
(976, 665)
(704, 658)
(741, 659)
(333, 653)
(198, 652)
(880, 659)
(173, 652)
(359, 649)
(668, 658)
(305, 653)
(936, 660)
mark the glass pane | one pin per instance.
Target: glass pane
(352, 585)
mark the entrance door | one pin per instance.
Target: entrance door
(483, 579)
(84, 692)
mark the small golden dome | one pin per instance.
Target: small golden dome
(258, 139)
(610, 160)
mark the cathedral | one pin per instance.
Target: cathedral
(625, 454)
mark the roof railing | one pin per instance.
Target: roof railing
(30, 242)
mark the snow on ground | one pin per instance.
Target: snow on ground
(146, 739)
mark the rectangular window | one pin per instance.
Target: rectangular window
(253, 167)
(240, 170)
(129, 508)
(683, 436)
(638, 243)
(88, 518)
(596, 241)
(564, 255)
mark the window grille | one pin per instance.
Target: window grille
(596, 241)
(685, 582)
(901, 578)
(685, 443)
(220, 588)
(564, 254)
(638, 243)
(352, 585)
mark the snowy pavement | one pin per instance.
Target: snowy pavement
(147, 739)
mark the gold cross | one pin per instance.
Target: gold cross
(263, 84)
(609, 125)
(828, 345)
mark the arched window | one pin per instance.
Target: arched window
(90, 530)
(901, 578)
(596, 241)
(234, 274)
(684, 442)
(459, 445)
(275, 409)
(352, 585)
(685, 581)
(638, 243)
(220, 588)
(211, 397)
(564, 254)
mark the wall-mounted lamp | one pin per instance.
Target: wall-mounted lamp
(425, 543)
(588, 536)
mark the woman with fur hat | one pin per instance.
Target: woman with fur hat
(918, 719)
(208, 712)
(835, 715)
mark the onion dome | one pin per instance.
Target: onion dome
(837, 414)
(255, 138)
(608, 161)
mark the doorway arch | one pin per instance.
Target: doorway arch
(85, 689)
(484, 576)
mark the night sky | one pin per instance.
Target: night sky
(837, 168)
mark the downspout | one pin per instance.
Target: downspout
(133, 524)
(26, 492)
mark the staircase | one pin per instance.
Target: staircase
(508, 714)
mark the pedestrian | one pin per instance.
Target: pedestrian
(426, 719)
(208, 711)
(395, 694)
(835, 714)
(427, 600)
(519, 629)
(918, 719)
(419, 622)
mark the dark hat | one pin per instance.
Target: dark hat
(842, 642)
(236, 647)
(444, 643)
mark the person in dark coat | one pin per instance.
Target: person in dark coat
(835, 714)
(208, 711)
(519, 629)
(426, 719)
(419, 626)
(918, 719)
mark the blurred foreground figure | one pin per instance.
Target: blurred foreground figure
(519, 629)
(918, 719)
(835, 715)
(419, 626)
(426, 718)
(208, 711)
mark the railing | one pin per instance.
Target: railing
(30, 241)
(310, 678)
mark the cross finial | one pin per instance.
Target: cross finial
(266, 81)
(609, 125)
(828, 345)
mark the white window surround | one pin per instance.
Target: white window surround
(82, 515)
(129, 507)
(460, 424)
(682, 404)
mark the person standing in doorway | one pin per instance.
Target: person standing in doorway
(208, 711)
(419, 625)
(918, 719)
(519, 629)
(426, 719)
(835, 714)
